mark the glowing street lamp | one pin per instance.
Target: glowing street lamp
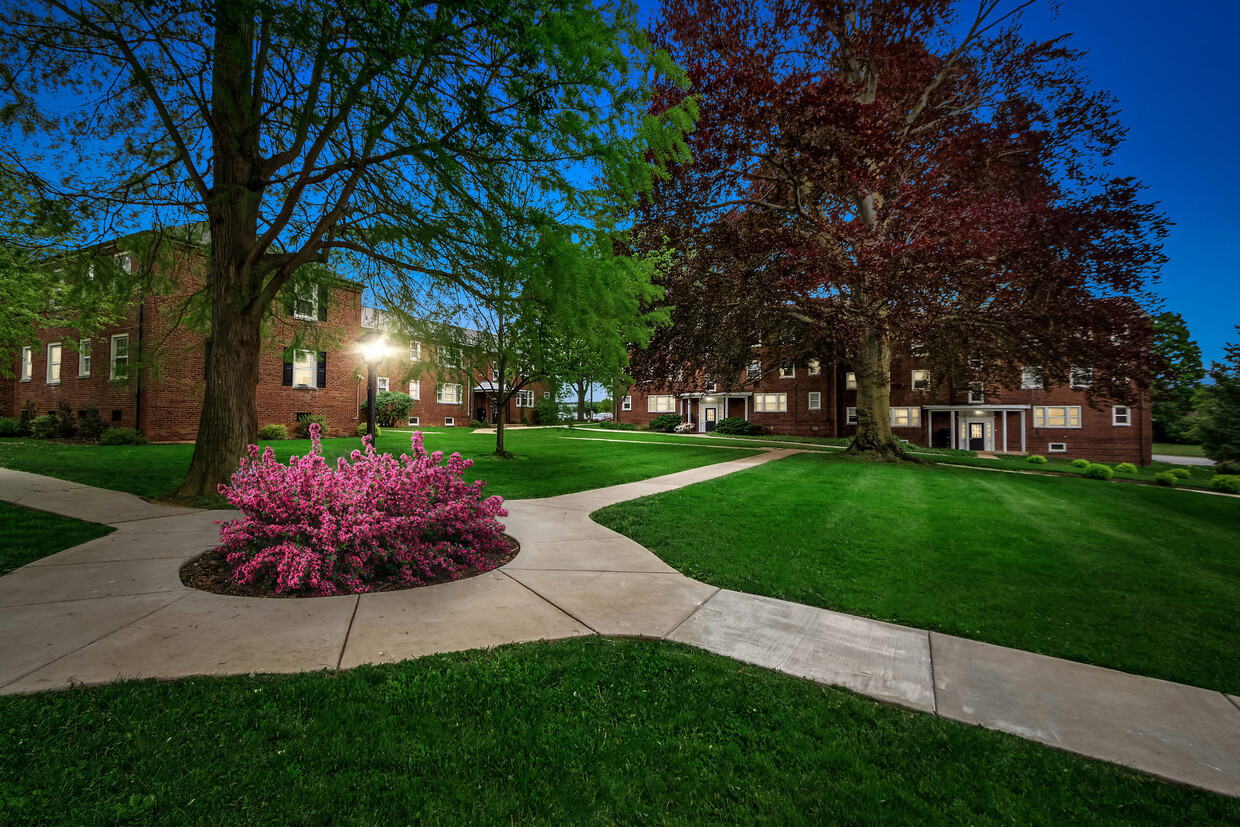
(373, 345)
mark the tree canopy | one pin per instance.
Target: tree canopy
(891, 176)
(326, 131)
(1177, 373)
(1217, 425)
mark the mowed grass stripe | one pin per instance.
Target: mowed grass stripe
(1135, 578)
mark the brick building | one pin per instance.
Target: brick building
(147, 370)
(816, 399)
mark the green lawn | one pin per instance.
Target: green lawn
(1177, 450)
(548, 462)
(1136, 578)
(588, 731)
(26, 535)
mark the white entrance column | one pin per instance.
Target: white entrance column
(951, 415)
(1022, 432)
(1004, 415)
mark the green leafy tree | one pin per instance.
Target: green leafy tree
(1175, 377)
(321, 131)
(391, 407)
(1217, 424)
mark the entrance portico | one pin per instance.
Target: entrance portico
(976, 427)
(707, 408)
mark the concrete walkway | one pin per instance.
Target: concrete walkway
(115, 608)
(1175, 459)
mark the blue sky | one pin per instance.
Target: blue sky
(1175, 71)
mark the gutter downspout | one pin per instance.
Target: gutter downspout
(137, 385)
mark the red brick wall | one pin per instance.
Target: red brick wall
(1097, 439)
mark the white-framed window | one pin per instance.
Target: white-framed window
(918, 350)
(815, 401)
(303, 369)
(447, 393)
(770, 402)
(850, 416)
(1121, 416)
(977, 395)
(124, 262)
(1030, 379)
(306, 303)
(27, 364)
(382, 383)
(626, 404)
(1057, 416)
(660, 404)
(83, 358)
(118, 364)
(413, 420)
(546, 394)
(787, 371)
(921, 380)
(53, 363)
(905, 417)
(415, 389)
(525, 399)
(754, 370)
(1080, 377)
(850, 381)
(449, 421)
(813, 367)
(1057, 448)
(415, 351)
(450, 357)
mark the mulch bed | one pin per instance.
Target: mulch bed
(210, 572)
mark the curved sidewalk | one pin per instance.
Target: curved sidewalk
(115, 608)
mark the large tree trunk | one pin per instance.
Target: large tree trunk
(872, 364)
(501, 399)
(581, 401)
(229, 418)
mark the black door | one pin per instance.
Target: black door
(708, 416)
(977, 436)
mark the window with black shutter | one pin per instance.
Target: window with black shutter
(322, 377)
(322, 307)
(288, 374)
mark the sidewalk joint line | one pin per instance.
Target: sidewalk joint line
(1234, 701)
(549, 602)
(696, 609)
(349, 631)
(96, 640)
(934, 684)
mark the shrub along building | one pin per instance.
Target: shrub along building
(819, 399)
(146, 371)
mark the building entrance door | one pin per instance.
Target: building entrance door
(709, 417)
(977, 436)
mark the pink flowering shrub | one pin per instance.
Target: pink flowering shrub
(372, 519)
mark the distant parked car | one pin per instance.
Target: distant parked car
(601, 416)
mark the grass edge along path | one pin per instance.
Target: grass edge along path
(546, 463)
(27, 535)
(1133, 578)
(584, 731)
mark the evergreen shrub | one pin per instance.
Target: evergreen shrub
(1098, 471)
(1037, 459)
(1080, 463)
(1227, 483)
(735, 426)
(1126, 468)
(1166, 478)
(274, 431)
(665, 422)
(122, 436)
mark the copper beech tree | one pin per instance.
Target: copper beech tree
(891, 177)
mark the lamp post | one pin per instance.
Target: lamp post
(373, 345)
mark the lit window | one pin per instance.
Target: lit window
(850, 381)
(770, 402)
(905, 417)
(660, 404)
(448, 394)
(53, 363)
(382, 383)
(754, 371)
(84, 358)
(27, 364)
(627, 404)
(118, 365)
(850, 416)
(525, 399)
(813, 367)
(787, 372)
(815, 401)
(921, 380)
(415, 390)
(303, 369)
(1080, 377)
(415, 351)
(1121, 416)
(1030, 379)
(1063, 416)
